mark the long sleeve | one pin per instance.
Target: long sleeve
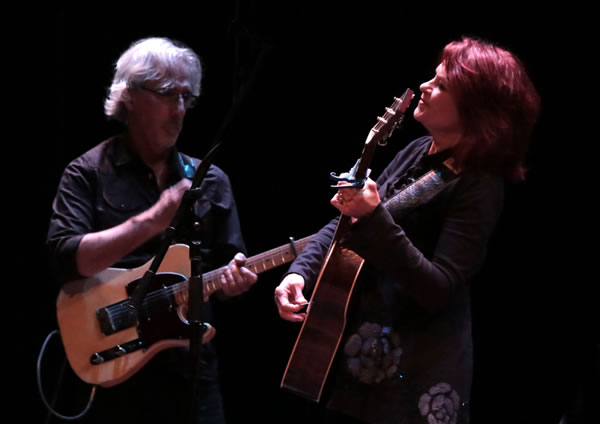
(309, 263)
(72, 217)
(470, 217)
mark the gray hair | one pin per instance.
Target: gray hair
(151, 59)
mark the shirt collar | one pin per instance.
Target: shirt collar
(436, 158)
(124, 155)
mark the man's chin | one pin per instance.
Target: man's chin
(170, 138)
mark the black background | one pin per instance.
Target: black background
(313, 79)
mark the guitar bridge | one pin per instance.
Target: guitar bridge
(116, 352)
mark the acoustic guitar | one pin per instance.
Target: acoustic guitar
(323, 327)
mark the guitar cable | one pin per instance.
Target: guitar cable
(39, 382)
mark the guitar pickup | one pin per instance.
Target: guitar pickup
(116, 317)
(116, 352)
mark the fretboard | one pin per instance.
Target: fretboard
(211, 281)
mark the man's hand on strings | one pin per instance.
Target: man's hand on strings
(236, 278)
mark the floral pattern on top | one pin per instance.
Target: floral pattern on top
(440, 404)
(373, 353)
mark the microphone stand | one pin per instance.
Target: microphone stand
(196, 306)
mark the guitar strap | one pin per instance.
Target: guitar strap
(384, 341)
(422, 190)
(187, 166)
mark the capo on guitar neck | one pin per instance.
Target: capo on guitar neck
(350, 178)
(352, 182)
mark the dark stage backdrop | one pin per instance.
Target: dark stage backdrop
(307, 83)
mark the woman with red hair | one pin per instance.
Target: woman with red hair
(406, 355)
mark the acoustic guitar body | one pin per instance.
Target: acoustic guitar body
(322, 330)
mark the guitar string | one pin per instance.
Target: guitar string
(210, 281)
(210, 277)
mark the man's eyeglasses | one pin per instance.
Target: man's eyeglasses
(172, 96)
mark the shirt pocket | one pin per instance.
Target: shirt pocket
(119, 200)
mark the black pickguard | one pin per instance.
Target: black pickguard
(159, 316)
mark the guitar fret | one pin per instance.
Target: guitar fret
(259, 263)
(211, 286)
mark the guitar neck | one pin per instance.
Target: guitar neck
(211, 281)
(382, 130)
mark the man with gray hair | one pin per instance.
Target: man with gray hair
(115, 202)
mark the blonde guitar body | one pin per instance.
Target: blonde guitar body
(99, 329)
(80, 330)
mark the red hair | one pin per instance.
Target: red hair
(498, 106)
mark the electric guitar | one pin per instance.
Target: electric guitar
(323, 327)
(99, 328)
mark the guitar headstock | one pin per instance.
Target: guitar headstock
(393, 115)
(382, 130)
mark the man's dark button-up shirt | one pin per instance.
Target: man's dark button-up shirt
(109, 184)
